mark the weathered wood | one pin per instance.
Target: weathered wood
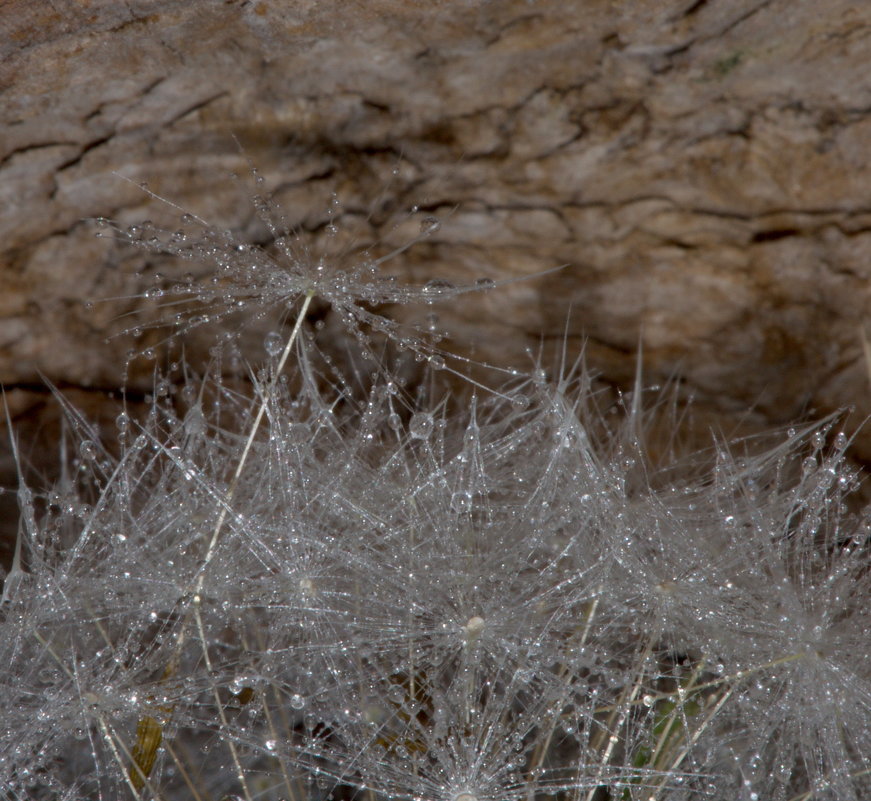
(702, 168)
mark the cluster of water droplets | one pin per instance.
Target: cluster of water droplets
(235, 279)
(432, 607)
(343, 587)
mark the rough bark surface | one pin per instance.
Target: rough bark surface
(701, 168)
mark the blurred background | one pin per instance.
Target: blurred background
(701, 169)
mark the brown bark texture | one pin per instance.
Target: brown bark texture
(700, 168)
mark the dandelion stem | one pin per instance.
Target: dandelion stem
(222, 516)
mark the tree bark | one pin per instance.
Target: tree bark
(701, 169)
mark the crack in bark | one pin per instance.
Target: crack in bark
(75, 160)
(196, 106)
(17, 151)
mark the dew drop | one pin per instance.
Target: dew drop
(420, 426)
(437, 288)
(297, 701)
(273, 342)
(88, 450)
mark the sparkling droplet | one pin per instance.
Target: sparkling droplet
(297, 701)
(420, 426)
(88, 450)
(274, 343)
(437, 288)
